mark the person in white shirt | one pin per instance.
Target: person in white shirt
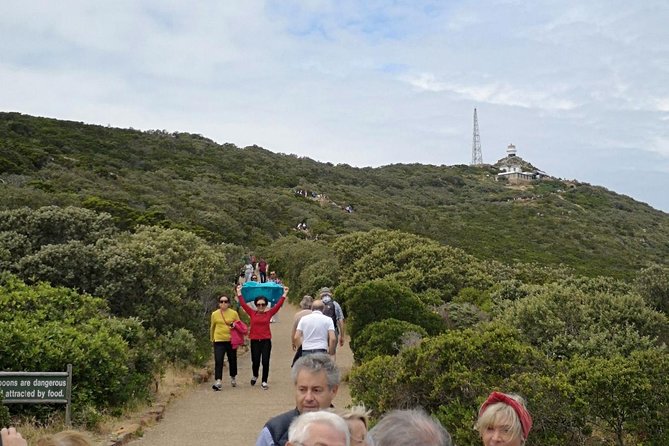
(315, 332)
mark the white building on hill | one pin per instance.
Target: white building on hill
(516, 170)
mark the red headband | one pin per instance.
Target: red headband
(523, 414)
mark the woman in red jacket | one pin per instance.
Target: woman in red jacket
(260, 334)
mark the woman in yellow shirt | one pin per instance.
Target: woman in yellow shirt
(219, 333)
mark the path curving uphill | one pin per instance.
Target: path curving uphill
(235, 416)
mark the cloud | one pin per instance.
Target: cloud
(662, 104)
(660, 145)
(492, 93)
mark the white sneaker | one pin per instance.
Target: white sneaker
(264, 386)
(233, 382)
(217, 385)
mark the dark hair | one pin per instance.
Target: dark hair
(259, 298)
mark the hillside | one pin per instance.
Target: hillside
(247, 196)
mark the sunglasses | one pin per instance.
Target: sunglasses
(261, 305)
(224, 301)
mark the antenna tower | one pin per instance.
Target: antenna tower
(477, 156)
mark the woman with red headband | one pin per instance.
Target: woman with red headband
(503, 420)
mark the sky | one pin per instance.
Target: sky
(580, 88)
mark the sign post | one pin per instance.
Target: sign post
(38, 388)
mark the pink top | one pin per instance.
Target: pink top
(239, 330)
(260, 320)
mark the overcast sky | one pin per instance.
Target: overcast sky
(580, 87)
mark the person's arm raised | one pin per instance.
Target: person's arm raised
(275, 308)
(242, 301)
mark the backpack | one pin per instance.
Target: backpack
(330, 311)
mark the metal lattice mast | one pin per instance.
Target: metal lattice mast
(477, 156)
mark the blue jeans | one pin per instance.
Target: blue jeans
(311, 352)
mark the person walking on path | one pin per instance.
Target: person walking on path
(316, 379)
(260, 334)
(196, 412)
(275, 279)
(333, 310)
(222, 321)
(315, 332)
(262, 270)
(248, 271)
(305, 308)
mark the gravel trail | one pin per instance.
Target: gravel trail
(235, 416)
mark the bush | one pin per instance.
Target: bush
(322, 273)
(566, 321)
(384, 299)
(47, 328)
(626, 395)
(180, 347)
(4, 413)
(653, 285)
(560, 416)
(448, 375)
(462, 315)
(385, 337)
(377, 384)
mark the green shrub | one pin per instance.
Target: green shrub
(378, 386)
(322, 273)
(565, 321)
(4, 413)
(383, 299)
(386, 337)
(560, 416)
(87, 415)
(626, 396)
(653, 284)
(463, 315)
(47, 328)
(473, 296)
(180, 347)
(447, 375)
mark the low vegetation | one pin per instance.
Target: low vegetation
(114, 244)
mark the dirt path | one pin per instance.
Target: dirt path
(235, 416)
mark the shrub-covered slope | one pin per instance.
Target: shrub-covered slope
(248, 196)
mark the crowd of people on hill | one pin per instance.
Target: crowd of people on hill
(252, 270)
(318, 328)
(503, 419)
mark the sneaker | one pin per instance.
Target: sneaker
(217, 386)
(253, 380)
(233, 382)
(264, 386)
